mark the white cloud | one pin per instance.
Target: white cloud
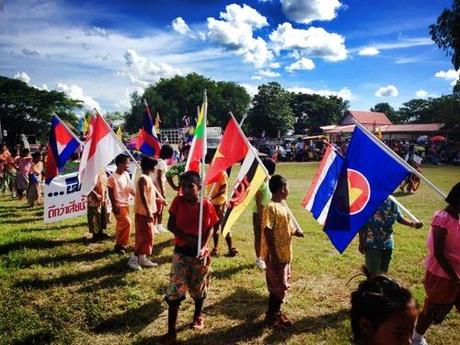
(269, 73)
(369, 51)
(344, 93)
(235, 32)
(450, 75)
(142, 71)
(274, 65)
(23, 76)
(256, 77)
(96, 31)
(387, 91)
(251, 89)
(312, 42)
(76, 92)
(421, 93)
(180, 26)
(302, 64)
(306, 11)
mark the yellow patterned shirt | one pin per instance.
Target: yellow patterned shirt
(278, 221)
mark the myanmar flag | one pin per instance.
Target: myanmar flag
(250, 177)
(232, 148)
(198, 148)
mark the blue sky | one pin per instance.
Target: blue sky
(101, 51)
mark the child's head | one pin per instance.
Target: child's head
(453, 199)
(25, 152)
(190, 183)
(36, 157)
(382, 312)
(148, 164)
(166, 151)
(278, 186)
(270, 165)
(122, 162)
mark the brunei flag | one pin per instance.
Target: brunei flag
(250, 177)
(232, 148)
(198, 148)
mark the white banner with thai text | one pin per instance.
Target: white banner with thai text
(63, 198)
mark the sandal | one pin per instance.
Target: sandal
(232, 252)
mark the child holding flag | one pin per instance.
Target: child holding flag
(34, 191)
(261, 201)
(145, 207)
(217, 194)
(442, 276)
(277, 250)
(96, 208)
(188, 271)
(159, 179)
(120, 188)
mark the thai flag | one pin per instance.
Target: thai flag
(319, 195)
(147, 140)
(62, 144)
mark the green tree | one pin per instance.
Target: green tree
(175, 97)
(312, 111)
(28, 110)
(415, 110)
(271, 111)
(388, 110)
(446, 32)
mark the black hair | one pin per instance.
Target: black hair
(270, 165)
(121, 158)
(148, 163)
(453, 198)
(376, 300)
(36, 155)
(276, 183)
(25, 152)
(166, 151)
(191, 176)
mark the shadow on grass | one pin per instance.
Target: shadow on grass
(66, 258)
(36, 243)
(43, 337)
(158, 247)
(228, 272)
(400, 194)
(20, 220)
(116, 269)
(309, 324)
(132, 320)
(55, 227)
(232, 306)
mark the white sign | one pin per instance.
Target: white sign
(63, 198)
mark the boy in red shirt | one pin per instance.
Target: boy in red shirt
(189, 271)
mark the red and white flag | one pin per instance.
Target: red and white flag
(101, 147)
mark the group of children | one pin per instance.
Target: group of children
(22, 174)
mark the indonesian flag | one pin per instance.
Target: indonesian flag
(198, 148)
(232, 148)
(101, 147)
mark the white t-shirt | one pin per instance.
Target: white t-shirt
(163, 167)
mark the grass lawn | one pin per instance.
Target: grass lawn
(56, 287)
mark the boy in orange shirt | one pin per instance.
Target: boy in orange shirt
(145, 208)
(120, 188)
(189, 272)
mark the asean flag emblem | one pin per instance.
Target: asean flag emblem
(354, 193)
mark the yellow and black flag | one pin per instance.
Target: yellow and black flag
(250, 177)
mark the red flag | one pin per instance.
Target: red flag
(232, 148)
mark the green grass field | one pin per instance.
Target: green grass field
(56, 287)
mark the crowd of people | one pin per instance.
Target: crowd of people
(382, 311)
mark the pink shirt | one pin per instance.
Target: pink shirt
(24, 164)
(122, 188)
(444, 220)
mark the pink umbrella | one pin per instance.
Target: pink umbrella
(437, 138)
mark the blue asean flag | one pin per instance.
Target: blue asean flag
(369, 175)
